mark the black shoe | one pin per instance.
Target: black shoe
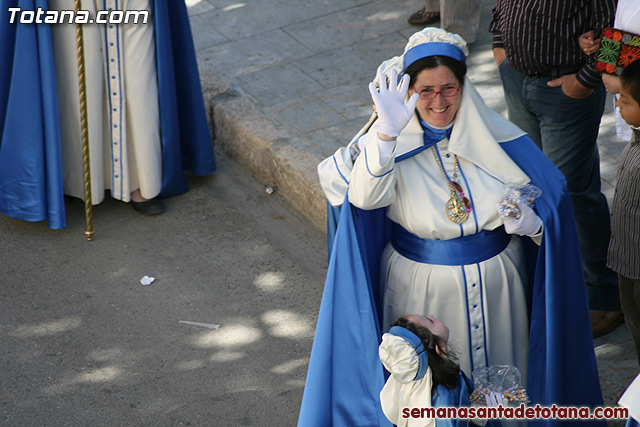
(149, 207)
(603, 322)
(423, 17)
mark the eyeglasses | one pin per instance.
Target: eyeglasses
(460, 196)
(446, 93)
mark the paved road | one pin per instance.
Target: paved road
(83, 343)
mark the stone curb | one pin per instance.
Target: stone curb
(274, 153)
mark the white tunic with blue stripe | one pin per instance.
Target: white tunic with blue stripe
(122, 104)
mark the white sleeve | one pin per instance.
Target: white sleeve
(373, 184)
(335, 172)
(537, 238)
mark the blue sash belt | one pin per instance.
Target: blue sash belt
(459, 251)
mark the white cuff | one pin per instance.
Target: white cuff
(385, 150)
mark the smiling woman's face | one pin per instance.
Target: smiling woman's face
(441, 110)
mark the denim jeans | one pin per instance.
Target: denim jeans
(566, 130)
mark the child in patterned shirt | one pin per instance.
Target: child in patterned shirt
(624, 247)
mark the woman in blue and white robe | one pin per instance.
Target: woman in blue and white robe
(396, 252)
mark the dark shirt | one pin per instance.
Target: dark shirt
(624, 247)
(542, 35)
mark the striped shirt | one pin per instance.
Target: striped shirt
(624, 247)
(541, 36)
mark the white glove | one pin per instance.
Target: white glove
(393, 113)
(528, 224)
(495, 399)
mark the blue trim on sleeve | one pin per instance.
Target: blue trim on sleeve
(418, 345)
(366, 161)
(338, 169)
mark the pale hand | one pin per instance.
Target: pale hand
(393, 113)
(499, 54)
(571, 86)
(529, 223)
(588, 43)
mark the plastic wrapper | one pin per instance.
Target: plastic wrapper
(146, 280)
(504, 379)
(513, 195)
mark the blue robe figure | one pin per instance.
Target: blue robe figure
(345, 375)
(30, 158)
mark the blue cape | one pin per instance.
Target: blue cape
(345, 375)
(30, 160)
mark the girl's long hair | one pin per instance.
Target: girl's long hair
(444, 367)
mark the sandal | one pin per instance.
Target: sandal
(423, 17)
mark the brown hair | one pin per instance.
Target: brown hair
(458, 68)
(444, 367)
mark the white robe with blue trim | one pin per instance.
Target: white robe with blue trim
(345, 375)
(484, 304)
(122, 104)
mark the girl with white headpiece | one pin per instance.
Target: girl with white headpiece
(420, 232)
(424, 374)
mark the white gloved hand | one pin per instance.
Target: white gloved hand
(393, 113)
(495, 399)
(528, 224)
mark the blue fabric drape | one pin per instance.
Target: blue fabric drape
(344, 381)
(30, 160)
(333, 215)
(186, 141)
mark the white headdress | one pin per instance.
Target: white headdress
(427, 35)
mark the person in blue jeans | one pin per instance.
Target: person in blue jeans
(555, 94)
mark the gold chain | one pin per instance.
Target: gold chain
(455, 168)
(453, 209)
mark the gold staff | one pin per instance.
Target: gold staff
(84, 125)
